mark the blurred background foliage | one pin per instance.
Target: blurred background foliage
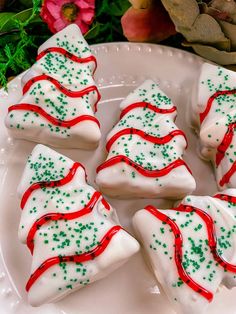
(22, 31)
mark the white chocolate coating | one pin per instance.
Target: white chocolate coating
(124, 181)
(221, 115)
(73, 76)
(67, 237)
(159, 244)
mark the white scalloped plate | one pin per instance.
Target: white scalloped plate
(132, 289)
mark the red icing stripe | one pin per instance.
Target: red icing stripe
(179, 254)
(147, 173)
(62, 89)
(54, 121)
(105, 204)
(156, 140)
(62, 216)
(50, 184)
(227, 176)
(222, 148)
(68, 55)
(212, 241)
(211, 99)
(227, 198)
(88, 256)
(146, 105)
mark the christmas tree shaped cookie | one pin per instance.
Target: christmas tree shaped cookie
(214, 105)
(145, 149)
(192, 248)
(59, 95)
(69, 228)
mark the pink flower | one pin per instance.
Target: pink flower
(60, 13)
(147, 21)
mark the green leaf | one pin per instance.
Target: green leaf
(118, 8)
(2, 57)
(8, 51)
(93, 32)
(18, 44)
(101, 7)
(5, 17)
(9, 38)
(36, 19)
(9, 23)
(26, 3)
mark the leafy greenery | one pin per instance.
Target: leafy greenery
(20, 35)
(18, 43)
(107, 26)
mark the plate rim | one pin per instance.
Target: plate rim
(129, 46)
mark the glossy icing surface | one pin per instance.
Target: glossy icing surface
(70, 229)
(191, 248)
(145, 149)
(214, 105)
(59, 95)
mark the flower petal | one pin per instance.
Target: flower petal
(83, 27)
(48, 18)
(85, 4)
(51, 13)
(87, 15)
(54, 9)
(59, 3)
(60, 24)
(152, 24)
